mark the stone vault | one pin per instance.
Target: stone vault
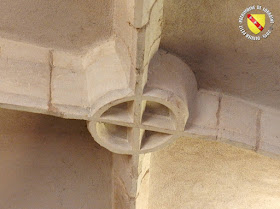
(136, 97)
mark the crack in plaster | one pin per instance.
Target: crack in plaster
(51, 66)
(218, 114)
(51, 107)
(150, 48)
(122, 184)
(128, 49)
(258, 129)
(145, 174)
(143, 27)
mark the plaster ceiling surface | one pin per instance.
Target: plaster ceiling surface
(206, 35)
(60, 24)
(49, 162)
(205, 174)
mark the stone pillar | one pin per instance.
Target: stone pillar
(130, 178)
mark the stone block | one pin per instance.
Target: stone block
(238, 122)
(270, 132)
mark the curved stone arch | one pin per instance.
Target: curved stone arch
(69, 85)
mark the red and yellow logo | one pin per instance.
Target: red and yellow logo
(256, 22)
(259, 22)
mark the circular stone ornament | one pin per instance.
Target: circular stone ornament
(121, 131)
(147, 120)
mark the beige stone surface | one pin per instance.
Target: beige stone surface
(238, 121)
(64, 24)
(155, 93)
(204, 118)
(125, 36)
(24, 83)
(131, 177)
(137, 35)
(270, 131)
(100, 61)
(105, 74)
(196, 174)
(145, 122)
(206, 35)
(47, 162)
(69, 88)
(221, 117)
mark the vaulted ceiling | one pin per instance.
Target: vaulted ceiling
(206, 35)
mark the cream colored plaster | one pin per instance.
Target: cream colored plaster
(48, 162)
(197, 174)
(205, 34)
(61, 24)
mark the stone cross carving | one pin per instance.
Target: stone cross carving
(145, 122)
